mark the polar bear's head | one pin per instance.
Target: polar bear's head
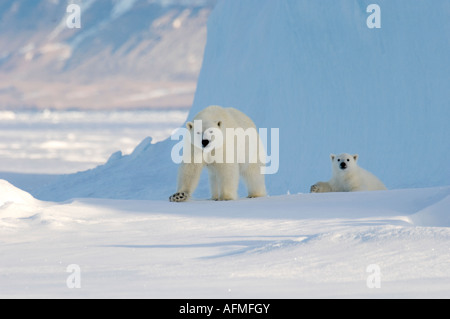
(344, 162)
(206, 134)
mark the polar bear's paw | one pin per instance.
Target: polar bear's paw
(315, 188)
(179, 197)
(321, 187)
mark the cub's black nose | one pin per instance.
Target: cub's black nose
(205, 143)
(343, 166)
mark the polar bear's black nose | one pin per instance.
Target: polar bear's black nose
(343, 165)
(205, 143)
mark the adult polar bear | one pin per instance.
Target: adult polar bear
(222, 155)
(348, 177)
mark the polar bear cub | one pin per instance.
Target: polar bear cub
(348, 177)
(213, 144)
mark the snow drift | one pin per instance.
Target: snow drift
(328, 82)
(12, 195)
(15, 203)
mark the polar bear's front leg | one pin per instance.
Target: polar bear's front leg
(254, 180)
(214, 184)
(321, 187)
(228, 181)
(188, 178)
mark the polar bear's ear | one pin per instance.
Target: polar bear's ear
(355, 157)
(332, 156)
(219, 123)
(189, 125)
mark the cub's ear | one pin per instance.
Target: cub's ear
(219, 123)
(189, 125)
(332, 156)
(355, 157)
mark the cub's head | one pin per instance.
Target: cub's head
(206, 135)
(344, 162)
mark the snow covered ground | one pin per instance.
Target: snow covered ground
(365, 245)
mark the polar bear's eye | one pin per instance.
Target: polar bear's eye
(348, 160)
(339, 159)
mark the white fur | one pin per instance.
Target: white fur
(223, 176)
(350, 178)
